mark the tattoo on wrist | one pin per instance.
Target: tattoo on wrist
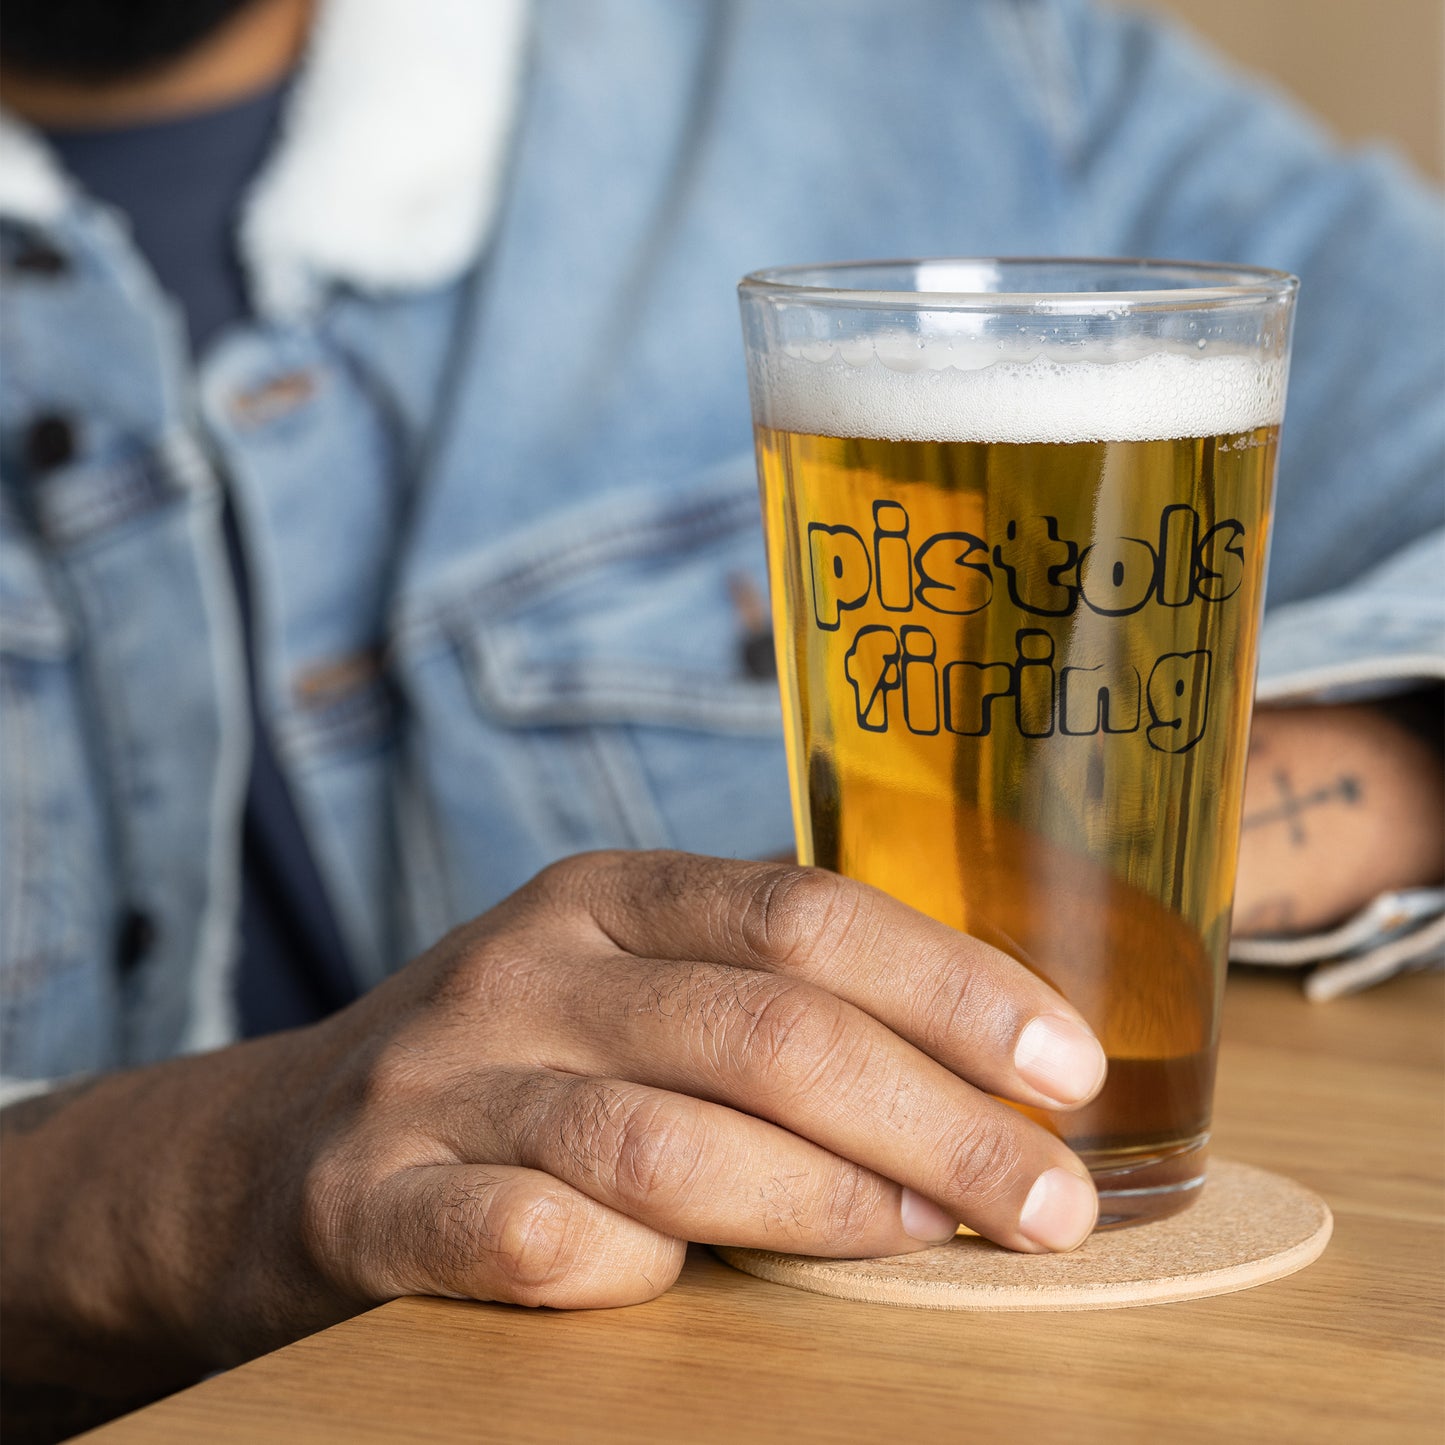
(1291, 806)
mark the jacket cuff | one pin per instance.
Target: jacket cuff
(1382, 634)
(1396, 933)
(12, 1089)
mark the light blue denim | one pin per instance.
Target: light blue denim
(495, 572)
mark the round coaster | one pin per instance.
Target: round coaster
(1248, 1227)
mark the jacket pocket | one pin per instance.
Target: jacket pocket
(635, 612)
(611, 663)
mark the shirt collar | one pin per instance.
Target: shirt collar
(388, 172)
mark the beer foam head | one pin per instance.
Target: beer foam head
(904, 389)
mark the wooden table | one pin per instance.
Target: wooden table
(1344, 1096)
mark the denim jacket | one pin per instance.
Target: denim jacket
(488, 438)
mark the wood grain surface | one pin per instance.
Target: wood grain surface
(1345, 1097)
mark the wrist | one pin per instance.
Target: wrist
(144, 1221)
(1341, 804)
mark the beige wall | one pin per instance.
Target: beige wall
(1371, 68)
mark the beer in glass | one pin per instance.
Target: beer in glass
(1018, 518)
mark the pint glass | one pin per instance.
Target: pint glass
(1017, 517)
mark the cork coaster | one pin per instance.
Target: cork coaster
(1248, 1227)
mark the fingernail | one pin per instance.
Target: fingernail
(923, 1219)
(1060, 1210)
(1060, 1059)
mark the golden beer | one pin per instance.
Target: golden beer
(1055, 766)
(1016, 606)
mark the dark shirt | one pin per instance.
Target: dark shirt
(180, 184)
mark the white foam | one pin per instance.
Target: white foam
(899, 389)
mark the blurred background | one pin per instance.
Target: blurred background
(1374, 69)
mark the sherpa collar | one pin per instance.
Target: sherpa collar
(391, 156)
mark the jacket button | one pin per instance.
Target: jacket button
(49, 442)
(135, 936)
(38, 258)
(755, 649)
(759, 659)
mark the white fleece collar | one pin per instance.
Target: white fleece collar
(32, 187)
(392, 151)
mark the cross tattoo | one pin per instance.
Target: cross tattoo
(1291, 804)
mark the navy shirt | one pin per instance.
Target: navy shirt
(180, 183)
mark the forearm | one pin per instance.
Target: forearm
(132, 1211)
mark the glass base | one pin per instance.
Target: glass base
(1140, 1188)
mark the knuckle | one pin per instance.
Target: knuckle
(966, 1003)
(505, 1101)
(562, 878)
(692, 993)
(580, 876)
(853, 1204)
(793, 1032)
(593, 887)
(456, 1235)
(792, 912)
(667, 882)
(668, 876)
(341, 1202)
(533, 1246)
(588, 1125)
(633, 1144)
(569, 886)
(984, 1160)
(656, 1159)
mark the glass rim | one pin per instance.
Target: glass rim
(1206, 285)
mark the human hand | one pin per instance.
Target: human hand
(637, 1050)
(633, 1051)
(1340, 804)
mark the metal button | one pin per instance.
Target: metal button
(49, 442)
(759, 659)
(134, 938)
(755, 649)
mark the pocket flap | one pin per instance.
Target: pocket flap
(639, 609)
